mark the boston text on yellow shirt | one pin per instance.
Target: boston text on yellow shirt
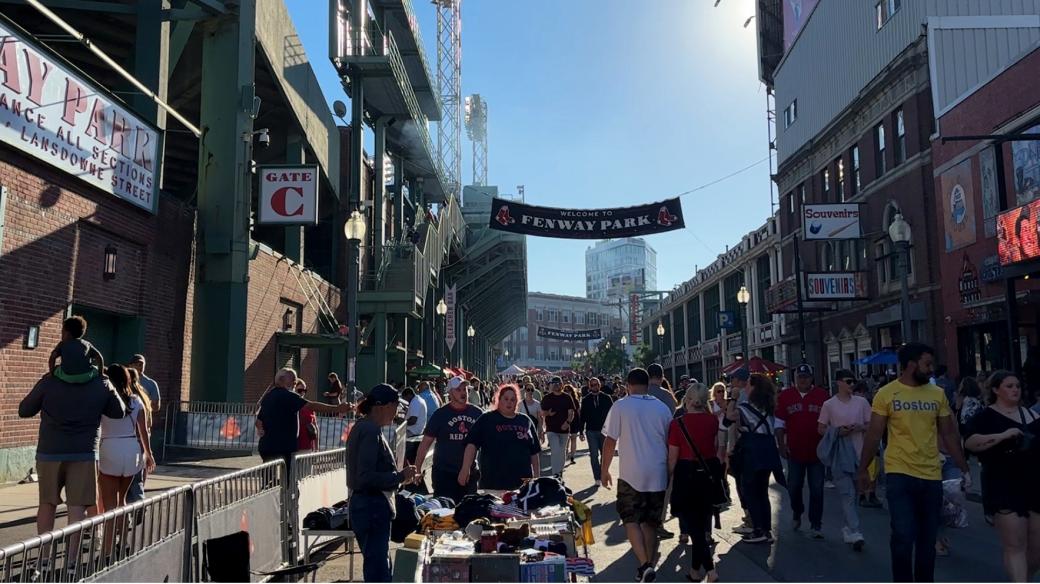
(912, 413)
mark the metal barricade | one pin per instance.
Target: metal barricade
(144, 541)
(333, 430)
(211, 426)
(251, 500)
(321, 481)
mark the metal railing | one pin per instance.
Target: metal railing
(211, 426)
(235, 502)
(108, 547)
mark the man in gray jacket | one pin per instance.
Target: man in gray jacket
(67, 448)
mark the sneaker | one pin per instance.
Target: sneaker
(796, 524)
(859, 542)
(743, 530)
(873, 501)
(816, 533)
(647, 573)
(758, 537)
(828, 485)
(663, 533)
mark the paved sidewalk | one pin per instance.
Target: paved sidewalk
(18, 501)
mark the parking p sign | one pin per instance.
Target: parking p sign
(727, 320)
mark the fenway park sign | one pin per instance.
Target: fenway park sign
(562, 335)
(586, 223)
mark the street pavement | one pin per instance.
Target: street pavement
(794, 557)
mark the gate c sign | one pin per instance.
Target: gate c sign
(288, 194)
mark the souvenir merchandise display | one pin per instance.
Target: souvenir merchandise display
(538, 533)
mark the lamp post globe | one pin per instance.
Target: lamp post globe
(471, 332)
(743, 296)
(900, 233)
(355, 228)
(442, 308)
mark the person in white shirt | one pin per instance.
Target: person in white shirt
(416, 419)
(638, 424)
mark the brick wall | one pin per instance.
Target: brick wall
(273, 287)
(56, 230)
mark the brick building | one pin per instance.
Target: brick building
(853, 98)
(991, 306)
(556, 311)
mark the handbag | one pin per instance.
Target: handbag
(717, 495)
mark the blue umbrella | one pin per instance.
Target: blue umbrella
(886, 357)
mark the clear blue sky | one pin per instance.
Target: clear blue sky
(605, 103)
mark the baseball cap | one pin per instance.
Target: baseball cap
(556, 379)
(684, 377)
(804, 369)
(456, 382)
(382, 394)
(741, 374)
(137, 358)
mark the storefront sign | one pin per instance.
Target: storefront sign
(565, 335)
(449, 317)
(990, 202)
(958, 203)
(288, 194)
(968, 284)
(992, 271)
(796, 13)
(1026, 158)
(727, 319)
(782, 297)
(734, 344)
(1016, 234)
(648, 219)
(711, 348)
(635, 318)
(836, 286)
(766, 333)
(834, 221)
(52, 112)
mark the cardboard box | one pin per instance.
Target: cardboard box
(447, 569)
(549, 570)
(495, 568)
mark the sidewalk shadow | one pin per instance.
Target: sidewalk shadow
(672, 566)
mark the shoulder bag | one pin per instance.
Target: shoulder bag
(717, 494)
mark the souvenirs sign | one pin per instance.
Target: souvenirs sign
(562, 335)
(586, 223)
(54, 113)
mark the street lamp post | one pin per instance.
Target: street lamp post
(660, 337)
(743, 298)
(354, 229)
(900, 233)
(624, 351)
(442, 310)
(471, 333)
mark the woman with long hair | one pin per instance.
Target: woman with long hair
(141, 393)
(1004, 438)
(693, 464)
(970, 401)
(125, 446)
(507, 443)
(758, 455)
(572, 448)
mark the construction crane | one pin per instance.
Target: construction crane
(476, 130)
(449, 87)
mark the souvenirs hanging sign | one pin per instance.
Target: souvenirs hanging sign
(586, 223)
(562, 335)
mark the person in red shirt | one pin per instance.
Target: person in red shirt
(307, 438)
(797, 435)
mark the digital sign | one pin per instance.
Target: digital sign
(1017, 239)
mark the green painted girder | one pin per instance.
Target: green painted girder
(481, 265)
(388, 301)
(91, 5)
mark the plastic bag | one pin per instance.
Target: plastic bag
(954, 513)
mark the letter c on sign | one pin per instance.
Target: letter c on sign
(278, 201)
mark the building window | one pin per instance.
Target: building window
(854, 157)
(879, 150)
(900, 144)
(540, 315)
(801, 193)
(566, 317)
(790, 203)
(825, 176)
(790, 114)
(884, 10)
(539, 352)
(840, 165)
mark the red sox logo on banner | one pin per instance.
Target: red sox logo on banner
(289, 194)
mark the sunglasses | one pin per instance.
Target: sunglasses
(848, 380)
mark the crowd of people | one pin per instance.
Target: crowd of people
(94, 449)
(688, 452)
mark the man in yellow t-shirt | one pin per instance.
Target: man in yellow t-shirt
(915, 413)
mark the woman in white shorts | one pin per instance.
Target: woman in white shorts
(125, 448)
